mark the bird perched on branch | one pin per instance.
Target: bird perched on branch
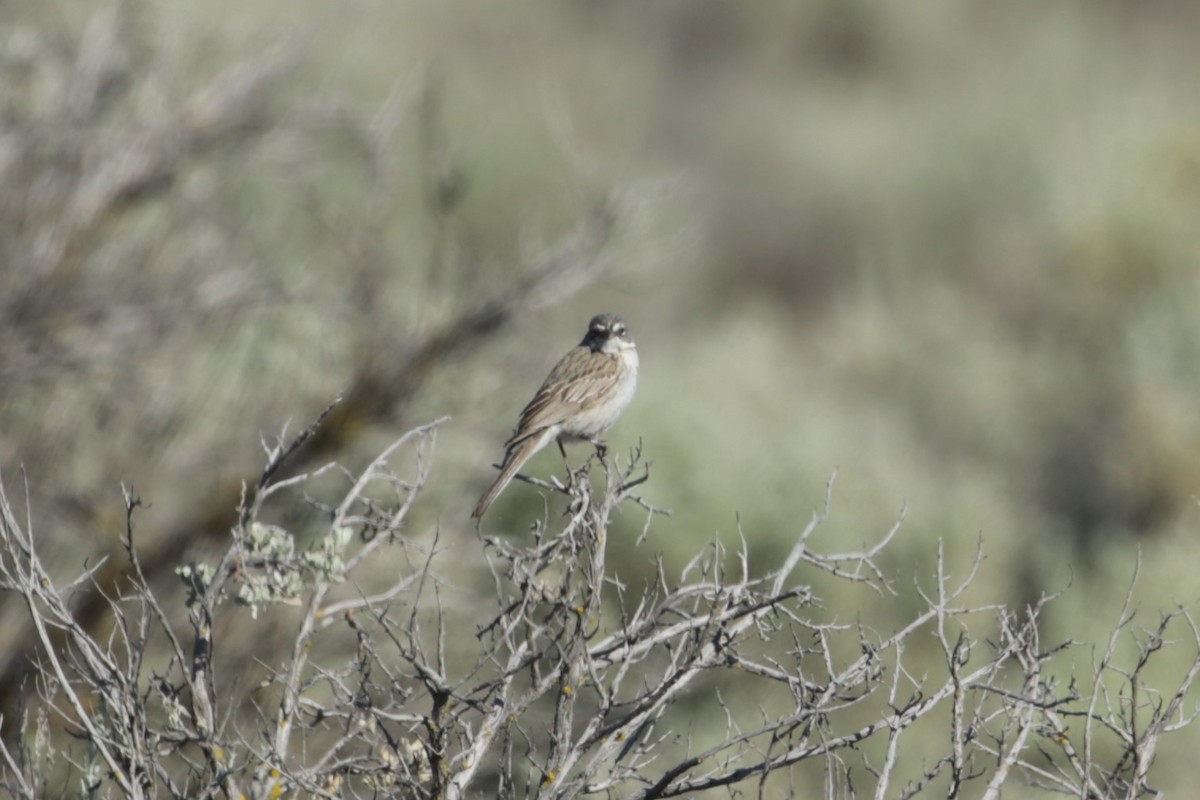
(581, 398)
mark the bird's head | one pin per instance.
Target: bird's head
(607, 333)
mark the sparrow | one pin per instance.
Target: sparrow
(581, 398)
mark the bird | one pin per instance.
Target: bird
(582, 397)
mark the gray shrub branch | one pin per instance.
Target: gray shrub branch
(532, 669)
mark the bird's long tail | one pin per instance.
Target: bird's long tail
(513, 461)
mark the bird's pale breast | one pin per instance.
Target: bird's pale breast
(590, 422)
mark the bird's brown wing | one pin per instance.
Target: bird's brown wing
(581, 378)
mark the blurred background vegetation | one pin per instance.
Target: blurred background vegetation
(948, 248)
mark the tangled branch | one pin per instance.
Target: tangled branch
(566, 682)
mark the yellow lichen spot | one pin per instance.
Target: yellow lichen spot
(549, 777)
(567, 690)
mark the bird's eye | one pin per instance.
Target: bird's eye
(619, 330)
